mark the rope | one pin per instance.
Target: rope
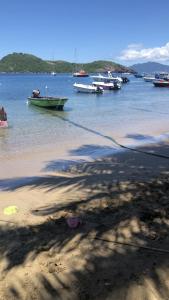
(133, 245)
(137, 150)
(112, 139)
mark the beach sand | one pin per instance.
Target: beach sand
(120, 250)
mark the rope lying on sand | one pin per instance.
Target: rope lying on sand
(112, 139)
(137, 150)
(132, 245)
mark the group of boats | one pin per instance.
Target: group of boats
(37, 100)
(101, 83)
(158, 79)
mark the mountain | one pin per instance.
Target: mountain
(103, 66)
(22, 62)
(150, 67)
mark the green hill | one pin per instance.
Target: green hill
(102, 66)
(60, 66)
(21, 62)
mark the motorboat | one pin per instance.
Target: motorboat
(137, 75)
(87, 88)
(52, 102)
(81, 73)
(161, 83)
(108, 78)
(47, 101)
(149, 78)
(162, 75)
(107, 85)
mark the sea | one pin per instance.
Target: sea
(90, 126)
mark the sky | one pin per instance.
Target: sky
(123, 31)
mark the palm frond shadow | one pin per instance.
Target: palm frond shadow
(79, 263)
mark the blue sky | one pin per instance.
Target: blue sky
(125, 31)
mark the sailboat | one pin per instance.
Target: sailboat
(80, 73)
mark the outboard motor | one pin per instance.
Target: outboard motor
(125, 79)
(99, 89)
(35, 93)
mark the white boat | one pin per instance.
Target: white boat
(149, 78)
(107, 85)
(162, 75)
(108, 78)
(87, 88)
(53, 73)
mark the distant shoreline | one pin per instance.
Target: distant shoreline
(49, 73)
(22, 62)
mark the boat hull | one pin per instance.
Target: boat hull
(84, 88)
(107, 78)
(161, 83)
(107, 86)
(80, 75)
(53, 102)
(149, 79)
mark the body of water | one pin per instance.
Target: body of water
(136, 114)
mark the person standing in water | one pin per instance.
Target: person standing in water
(3, 114)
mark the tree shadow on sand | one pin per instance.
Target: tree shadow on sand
(119, 251)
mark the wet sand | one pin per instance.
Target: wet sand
(40, 161)
(120, 250)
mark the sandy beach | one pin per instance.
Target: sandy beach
(120, 248)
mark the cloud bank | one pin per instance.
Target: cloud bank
(136, 51)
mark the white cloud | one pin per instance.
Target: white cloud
(136, 51)
(135, 46)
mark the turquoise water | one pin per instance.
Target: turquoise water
(135, 114)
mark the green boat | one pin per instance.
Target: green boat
(53, 102)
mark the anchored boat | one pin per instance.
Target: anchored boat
(107, 85)
(161, 83)
(149, 78)
(81, 73)
(88, 88)
(47, 101)
(108, 78)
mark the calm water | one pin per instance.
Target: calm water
(132, 115)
